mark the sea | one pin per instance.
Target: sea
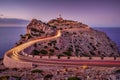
(10, 35)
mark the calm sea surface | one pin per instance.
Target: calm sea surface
(10, 35)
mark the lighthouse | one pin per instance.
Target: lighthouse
(60, 17)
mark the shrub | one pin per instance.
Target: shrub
(35, 52)
(4, 77)
(61, 29)
(35, 45)
(117, 71)
(56, 48)
(68, 53)
(48, 76)
(74, 78)
(22, 36)
(41, 31)
(53, 42)
(70, 49)
(50, 44)
(54, 27)
(51, 50)
(35, 30)
(16, 77)
(59, 56)
(43, 51)
(14, 69)
(45, 47)
(36, 71)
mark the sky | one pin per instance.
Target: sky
(95, 13)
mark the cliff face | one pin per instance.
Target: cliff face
(38, 28)
(77, 39)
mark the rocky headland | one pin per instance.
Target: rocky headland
(77, 39)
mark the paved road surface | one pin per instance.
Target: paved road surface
(14, 54)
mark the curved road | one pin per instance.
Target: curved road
(14, 54)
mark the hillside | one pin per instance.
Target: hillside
(77, 39)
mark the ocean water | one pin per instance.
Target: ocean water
(113, 33)
(10, 35)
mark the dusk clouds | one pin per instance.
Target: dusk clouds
(96, 13)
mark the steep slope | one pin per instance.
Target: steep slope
(77, 39)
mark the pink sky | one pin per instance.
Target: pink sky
(96, 13)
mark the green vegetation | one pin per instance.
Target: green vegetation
(91, 38)
(26, 36)
(59, 55)
(35, 30)
(61, 28)
(44, 51)
(51, 50)
(35, 52)
(35, 45)
(35, 34)
(45, 47)
(41, 31)
(70, 49)
(51, 54)
(17, 78)
(4, 77)
(36, 71)
(74, 33)
(92, 53)
(94, 48)
(56, 48)
(117, 71)
(22, 36)
(68, 53)
(54, 27)
(84, 54)
(14, 69)
(48, 76)
(74, 78)
(67, 32)
(52, 43)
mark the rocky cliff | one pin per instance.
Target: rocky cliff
(77, 39)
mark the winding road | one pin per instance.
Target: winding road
(13, 58)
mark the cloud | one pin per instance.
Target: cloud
(13, 22)
(1, 15)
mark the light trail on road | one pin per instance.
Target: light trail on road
(14, 54)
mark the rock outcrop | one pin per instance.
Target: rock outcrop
(77, 39)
